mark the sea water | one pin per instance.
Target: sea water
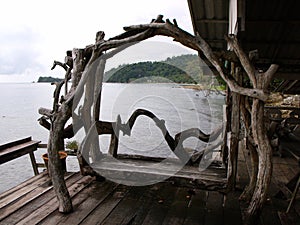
(180, 108)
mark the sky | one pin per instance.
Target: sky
(34, 33)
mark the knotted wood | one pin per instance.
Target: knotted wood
(83, 60)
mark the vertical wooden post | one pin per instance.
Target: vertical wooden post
(33, 163)
(97, 81)
(114, 141)
(263, 146)
(227, 119)
(235, 130)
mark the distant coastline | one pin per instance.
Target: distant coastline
(184, 69)
(48, 80)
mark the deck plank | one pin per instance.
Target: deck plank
(126, 211)
(232, 211)
(147, 202)
(214, 208)
(52, 205)
(178, 209)
(160, 206)
(84, 202)
(12, 195)
(39, 201)
(22, 200)
(269, 214)
(163, 203)
(98, 215)
(24, 184)
(95, 196)
(196, 208)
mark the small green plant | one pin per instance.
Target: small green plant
(73, 145)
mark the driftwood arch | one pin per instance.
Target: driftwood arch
(79, 62)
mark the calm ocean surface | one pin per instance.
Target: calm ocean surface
(180, 108)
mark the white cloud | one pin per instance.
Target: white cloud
(18, 52)
(34, 32)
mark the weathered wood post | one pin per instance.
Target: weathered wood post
(263, 144)
(59, 115)
(260, 81)
(251, 146)
(234, 128)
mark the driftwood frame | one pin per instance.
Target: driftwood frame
(79, 61)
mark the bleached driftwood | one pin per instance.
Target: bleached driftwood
(82, 62)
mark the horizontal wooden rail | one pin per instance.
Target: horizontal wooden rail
(16, 149)
(41, 145)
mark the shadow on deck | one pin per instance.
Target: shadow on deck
(106, 202)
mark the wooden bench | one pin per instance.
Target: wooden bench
(16, 149)
(144, 170)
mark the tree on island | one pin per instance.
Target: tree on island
(178, 69)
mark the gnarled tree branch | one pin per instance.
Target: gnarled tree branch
(46, 112)
(57, 63)
(244, 59)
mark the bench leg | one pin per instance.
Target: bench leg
(33, 163)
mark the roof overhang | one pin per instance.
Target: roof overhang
(270, 28)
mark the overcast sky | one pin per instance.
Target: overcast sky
(33, 33)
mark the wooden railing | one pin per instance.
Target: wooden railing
(16, 149)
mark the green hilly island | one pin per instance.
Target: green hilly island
(178, 69)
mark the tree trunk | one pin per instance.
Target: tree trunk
(246, 115)
(264, 148)
(56, 143)
(249, 190)
(264, 162)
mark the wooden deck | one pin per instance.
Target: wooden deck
(95, 202)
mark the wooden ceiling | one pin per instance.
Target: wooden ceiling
(269, 27)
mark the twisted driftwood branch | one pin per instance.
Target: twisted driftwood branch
(175, 144)
(126, 128)
(244, 59)
(57, 63)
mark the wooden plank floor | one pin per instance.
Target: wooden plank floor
(95, 202)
